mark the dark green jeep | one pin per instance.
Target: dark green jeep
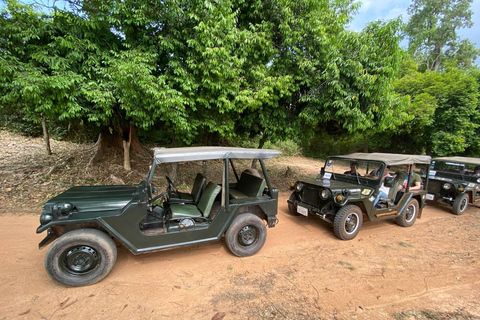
(454, 181)
(83, 221)
(358, 184)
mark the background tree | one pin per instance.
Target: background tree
(432, 30)
(355, 92)
(35, 71)
(444, 107)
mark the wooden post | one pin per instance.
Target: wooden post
(46, 136)
(126, 150)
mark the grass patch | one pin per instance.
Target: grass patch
(404, 244)
(433, 315)
(346, 265)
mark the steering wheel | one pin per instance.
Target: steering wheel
(160, 199)
(171, 187)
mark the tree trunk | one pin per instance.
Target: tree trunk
(46, 136)
(127, 138)
(127, 141)
(135, 144)
(437, 53)
(174, 167)
(263, 139)
(101, 145)
(365, 143)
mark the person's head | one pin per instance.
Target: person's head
(354, 166)
(410, 167)
(387, 170)
(476, 170)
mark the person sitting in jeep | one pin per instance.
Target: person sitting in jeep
(353, 169)
(415, 181)
(384, 190)
(476, 171)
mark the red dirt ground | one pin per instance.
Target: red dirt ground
(303, 272)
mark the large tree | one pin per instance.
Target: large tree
(37, 68)
(432, 30)
(275, 69)
(445, 112)
(353, 91)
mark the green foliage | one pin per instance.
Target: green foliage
(356, 88)
(325, 144)
(203, 71)
(444, 108)
(288, 147)
(433, 28)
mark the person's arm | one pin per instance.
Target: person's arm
(417, 186)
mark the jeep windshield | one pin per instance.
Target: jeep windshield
(455, 168)
(348, 170)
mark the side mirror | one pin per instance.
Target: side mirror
(388, 182)
(322, 171)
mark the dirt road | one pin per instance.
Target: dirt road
(303, 272)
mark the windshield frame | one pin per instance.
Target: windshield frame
(367, 166)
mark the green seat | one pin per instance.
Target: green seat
(192, 197)
(249, 186)
(204, 205)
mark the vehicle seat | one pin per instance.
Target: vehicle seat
(249, 186)
(393, 190)
(192, 197)
(204, 205)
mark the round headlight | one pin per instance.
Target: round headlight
(299, 187)
(447, 186)
(45, 218)
(324, 194)
(478, 180)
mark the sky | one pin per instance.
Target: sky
(372, 10)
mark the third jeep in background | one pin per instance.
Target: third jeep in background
(454, 181)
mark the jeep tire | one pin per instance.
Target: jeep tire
(408, 216)
(347, 222)
(460, 204)
(80, 257)
(246, 235)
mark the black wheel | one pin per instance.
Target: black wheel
(246, 235)
(460, 204)
(292, 209)
(409, 215)
(347, 222)
(80, 257)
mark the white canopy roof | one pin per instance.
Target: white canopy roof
(392, 159)
(466, 160)
(165, 155)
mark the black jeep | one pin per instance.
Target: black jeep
(358, 184)
(454, 181)
(84, 221)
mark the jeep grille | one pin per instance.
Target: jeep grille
(435, 186)
(310, 196)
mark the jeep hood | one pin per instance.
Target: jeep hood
(95, 198)
(334, 184)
